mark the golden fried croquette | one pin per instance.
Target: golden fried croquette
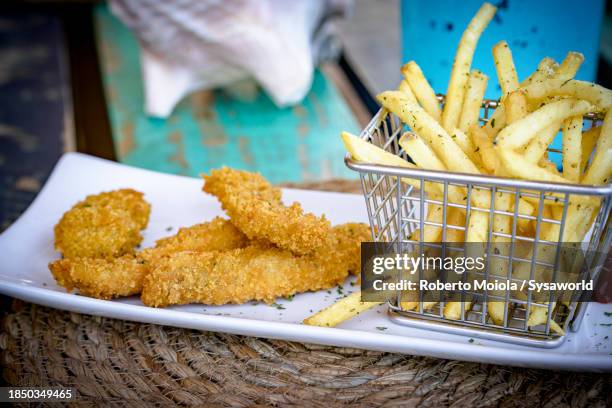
(103, 225)
(217, 235)
(259, 271)
(254, 207)
(101, 278)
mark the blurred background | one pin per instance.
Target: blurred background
(183, 86)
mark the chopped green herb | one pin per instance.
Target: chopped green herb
(493, 122)
(608, 314)
(471, 340)
(279, 307)
(168, 228)
(381, 328)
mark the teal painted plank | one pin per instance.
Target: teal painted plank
(210, 130)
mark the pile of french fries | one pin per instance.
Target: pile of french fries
(512, 143)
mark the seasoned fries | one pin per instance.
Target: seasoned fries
(422, 90)
(587, 91)
(340, 311)
(572, 141)
(519, 133)
(472, 102)
(462, 64)
(514, 142)
(504, 65)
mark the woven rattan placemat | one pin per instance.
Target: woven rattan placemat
(114, 362)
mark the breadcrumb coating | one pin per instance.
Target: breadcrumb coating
(259, 271)
(217, 235)
(254, 207)
(103, 225)
(347, 239)
(126, 198)
(101, 278)
(256, 272)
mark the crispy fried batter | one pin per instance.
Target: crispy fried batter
(259, 271)
(254, 207)
(347, 245)
(236, 276)
(103, 225)
(217, 235)
(101, 278)
(126, 198)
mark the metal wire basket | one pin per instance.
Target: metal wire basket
(396, 209)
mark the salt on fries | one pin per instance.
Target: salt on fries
(512, 143)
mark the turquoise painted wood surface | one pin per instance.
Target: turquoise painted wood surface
(212, 129)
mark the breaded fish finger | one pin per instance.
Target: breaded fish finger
(217, 235)
(104, 225)
(254, 206)
(346, 246)
(257, 272)
(101, 278)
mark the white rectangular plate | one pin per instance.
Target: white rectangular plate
(27, 247)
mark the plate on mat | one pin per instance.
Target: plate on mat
(27, 247)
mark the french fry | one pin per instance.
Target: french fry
(504, 65)
(411, 305)
(461, 66)
(431, 233)
(429, 129)
(422, 90)
(486, 150)
(452, 310)
(468, 147)
(515, 105)
(569, 67)
(601, 166)
(600, 172)
(566, 71)
(340, 311)
(539, 315)
(425, 158)
(442, 144)
(366, 152)
(501, 224)
(536, 149)
(456, 217)
(497, 120)
(588, 91)
(572, 141)
(420, 152)
(472, 102)
(589, 140)
(522, 131)
(518, 167)
(405, 88)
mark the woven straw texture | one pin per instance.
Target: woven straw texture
(118, 363)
